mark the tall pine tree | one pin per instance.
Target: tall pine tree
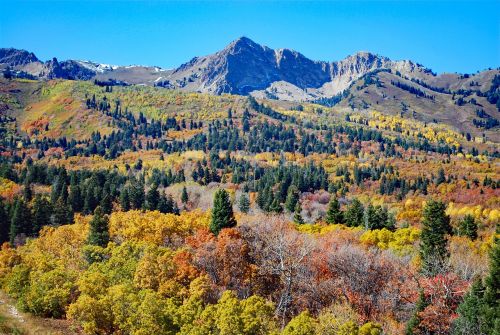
(152, 198)
(292, 198)
(334, 215)
(468, 227)
(491, 299)
(354, 214)
(433, 240)
(244, 204)
(42, 210)
(4, 223)
(297, 216)
(222, 212)
(184, 195)
(99, 229)
(21, 222)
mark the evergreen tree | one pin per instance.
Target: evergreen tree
(354, 214)
(376, 217)
(166, 204)
(42, 210)
(470, 312)
(370, 217)
(244, 203)
(440, 177)
(391, 222)
(276, 206)
(265, 198)
(4, 223)
(468, 227)
(136, 194)
(99, 229)
(184, 195)
(491, 300)
(414, 321)
(91, 200)
(297, 217)
(246, 125)
(75, 198)
(222, 212)
(334, 215)
(125, 200)
(434, 243)
(106, 203)
(153, 198)
(27, 191)
(21, 222)
(292, 198)
(62, 213)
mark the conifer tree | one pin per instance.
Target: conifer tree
(468, 227)
(441, 178)
(479, 312)
(491, 300)
(354, 214)
(152, 198)
(4, 223)
(370, 217)
(90, 202)
(184, 195)
(244, 204)
(27, 191)
(61, 214)
(99, 229)
(136, 193)
(166, 204)
(292, 198)
(106, 202)
(75, 198)
(434, 243)
(470, 311)
(21, 222)
(334, 215)
(297, 216)
(222, 212)
(276, 206)
(414, 321)
(125, 199)
(42, 210)
(264, 198)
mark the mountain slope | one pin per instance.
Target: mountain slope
(469, 112)
(245, 66)
(470, 103)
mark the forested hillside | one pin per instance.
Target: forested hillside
(140, 210)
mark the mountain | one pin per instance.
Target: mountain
(15, 57)
(245, 67)
(26, 64)
(470, 103)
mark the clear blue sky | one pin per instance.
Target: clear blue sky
(451, 36)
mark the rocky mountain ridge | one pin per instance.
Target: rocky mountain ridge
(244, 67)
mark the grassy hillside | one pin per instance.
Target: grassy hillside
(379, 92)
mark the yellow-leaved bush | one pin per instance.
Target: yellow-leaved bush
(400, 241)
(155, 227)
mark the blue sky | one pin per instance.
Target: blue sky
(451, 36)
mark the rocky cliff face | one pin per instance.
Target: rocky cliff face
(244, 67)
(15, 57)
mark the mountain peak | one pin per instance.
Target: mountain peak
(244, 42)
(15, 57)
